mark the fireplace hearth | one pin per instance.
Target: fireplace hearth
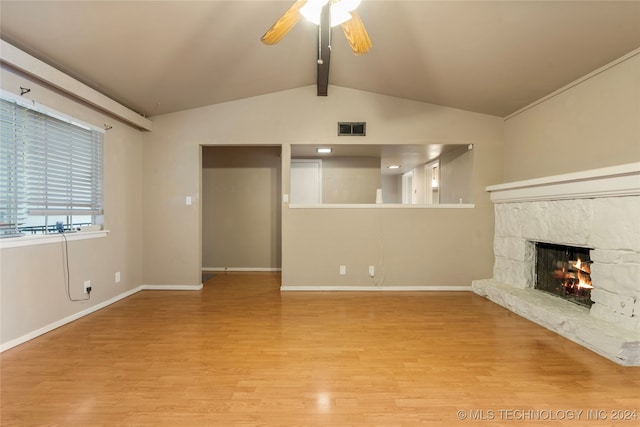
(588, 221)
(564, 271)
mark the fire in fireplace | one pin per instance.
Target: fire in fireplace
(564, 271)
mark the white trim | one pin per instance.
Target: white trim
(377, 288)
(45, 239)
(384, 206)
(227, 269)
(172, 287)
(575, 83)
(42, 71)
(51, 326)
(621, 180)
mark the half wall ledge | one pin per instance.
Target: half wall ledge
(572, 322)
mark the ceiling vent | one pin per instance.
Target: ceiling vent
(352, 128)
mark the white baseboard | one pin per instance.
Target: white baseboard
(51, 326)
(172, 287)
(55, 325)
(377, 288)
(223, 269)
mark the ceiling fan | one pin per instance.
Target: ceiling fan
(342, 12)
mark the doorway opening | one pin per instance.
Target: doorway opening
(241, 208)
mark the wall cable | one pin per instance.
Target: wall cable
(65, 269)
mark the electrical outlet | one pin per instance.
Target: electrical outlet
(343, 270)
(372, 271)
(87, 285)
(117, 277)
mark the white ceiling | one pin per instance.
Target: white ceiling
(158, 57)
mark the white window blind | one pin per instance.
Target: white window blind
(50, 166)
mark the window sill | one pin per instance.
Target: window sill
(44, 239)
(383, 206)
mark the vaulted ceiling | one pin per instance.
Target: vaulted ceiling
(157, 57)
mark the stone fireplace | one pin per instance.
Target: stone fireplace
(596, 210)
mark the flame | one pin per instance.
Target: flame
(584, 284)
(582, 266)
(583, 276)
(584, 281)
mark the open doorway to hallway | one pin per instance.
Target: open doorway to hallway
(241, 209)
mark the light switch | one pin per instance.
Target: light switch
(188, 201)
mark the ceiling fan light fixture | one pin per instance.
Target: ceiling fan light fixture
(312, 10)
(339, 14)
(339, 10)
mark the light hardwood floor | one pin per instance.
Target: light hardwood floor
(240, 353)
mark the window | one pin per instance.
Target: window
(50, 169)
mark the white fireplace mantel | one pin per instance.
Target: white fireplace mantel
(621, 180)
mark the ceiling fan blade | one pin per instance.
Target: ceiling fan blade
(283, 25)
(356, 34)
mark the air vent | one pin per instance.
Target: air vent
(352, 128)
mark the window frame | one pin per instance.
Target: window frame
(94, 161)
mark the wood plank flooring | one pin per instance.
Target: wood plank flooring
(240, 353)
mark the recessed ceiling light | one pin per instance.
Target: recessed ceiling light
(324, 150)
(393, 167)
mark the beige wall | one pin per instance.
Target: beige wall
(412, 246)
(350, 179)
(32, 285)
(391, 188)
(241, 207)
(591, 125)
(456, 176)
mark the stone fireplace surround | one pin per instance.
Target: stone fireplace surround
(597, 209)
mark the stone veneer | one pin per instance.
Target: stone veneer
(598, 209)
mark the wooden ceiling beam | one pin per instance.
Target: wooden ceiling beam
(324, 51)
